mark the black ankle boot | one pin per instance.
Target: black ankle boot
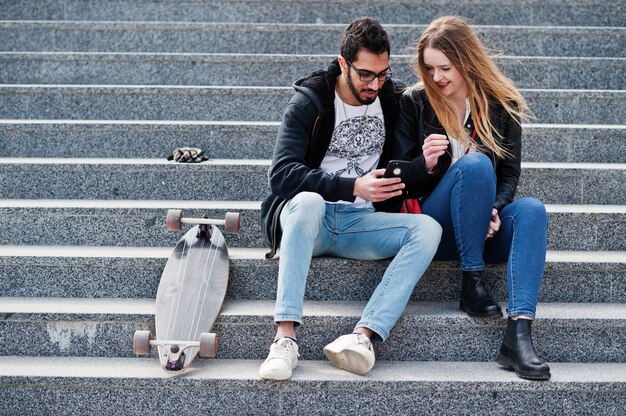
(474, 297)
(517, 352)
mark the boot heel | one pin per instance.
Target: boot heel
(505, 362)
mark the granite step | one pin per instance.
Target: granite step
(158, 138)
(428, 331)
(134, 272)
(281, 38)
(546, 13)
(255, 140)
(116, 222)
(142, 102)
(573, 183)
(142, 223)
(246, 180)
(260, 69)
(69, 386)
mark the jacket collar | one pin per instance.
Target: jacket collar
(320, 85)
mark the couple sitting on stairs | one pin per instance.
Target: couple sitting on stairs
(460, 131)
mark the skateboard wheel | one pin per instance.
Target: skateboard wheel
(174, 219)
(208, 345)
(141, 342)
(232, 222)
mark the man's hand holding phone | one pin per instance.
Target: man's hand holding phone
(382, 184)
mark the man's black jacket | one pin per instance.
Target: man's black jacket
(303, 139)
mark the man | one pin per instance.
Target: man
(324, 179)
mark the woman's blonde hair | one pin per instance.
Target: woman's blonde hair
(453, 37)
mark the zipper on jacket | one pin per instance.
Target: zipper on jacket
(276, 221)
(313, 135)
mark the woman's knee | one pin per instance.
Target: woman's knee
(476, 167)
(531, 208)
(476, 160)
(526, 212)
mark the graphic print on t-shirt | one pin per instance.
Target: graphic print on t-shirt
(356, 143)
(354, 139)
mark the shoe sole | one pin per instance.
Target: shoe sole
(348, 360)
(274, 375)
(531, 375)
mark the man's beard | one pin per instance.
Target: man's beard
(364, 101)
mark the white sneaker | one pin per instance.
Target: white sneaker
(282, 359)
(353, 352)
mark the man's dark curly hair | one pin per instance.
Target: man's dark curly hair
(364, 33)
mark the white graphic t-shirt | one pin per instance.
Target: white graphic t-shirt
(356, 144)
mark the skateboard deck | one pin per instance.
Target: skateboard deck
(189, 298)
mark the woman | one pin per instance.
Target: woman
(460, 128)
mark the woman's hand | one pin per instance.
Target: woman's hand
(494, 225)
(434, 146)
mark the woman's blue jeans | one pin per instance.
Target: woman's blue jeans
(312, 227)
(462, 202)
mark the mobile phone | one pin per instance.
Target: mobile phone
(397, 169)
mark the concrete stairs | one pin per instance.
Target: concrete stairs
(95, 95)
(222, 69)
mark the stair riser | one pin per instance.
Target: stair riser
(254, 104)
(134, 141)
(113, 227)
(184, 395)
(256, 279)
(574, 146)
(585, 186)
(146, 228)
(312, 39)
(549, 13)
(257, 141)
(170, 181)
(261, 71)
(454, 338)
(136, 397)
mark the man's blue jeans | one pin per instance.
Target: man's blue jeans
(311, 227)
(462, 203)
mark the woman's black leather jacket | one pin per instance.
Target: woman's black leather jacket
(416, 120)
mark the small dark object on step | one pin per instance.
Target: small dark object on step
(188, 155)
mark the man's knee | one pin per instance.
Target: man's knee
(309, 202)
(432, 228)
(306, 207)
(426, 229)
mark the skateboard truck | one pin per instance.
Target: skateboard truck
(175, 358)
(175, 350)
(176, 218)
(204, 230)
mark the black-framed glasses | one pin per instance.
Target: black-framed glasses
(369, 76)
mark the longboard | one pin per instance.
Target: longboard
(191, 293)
